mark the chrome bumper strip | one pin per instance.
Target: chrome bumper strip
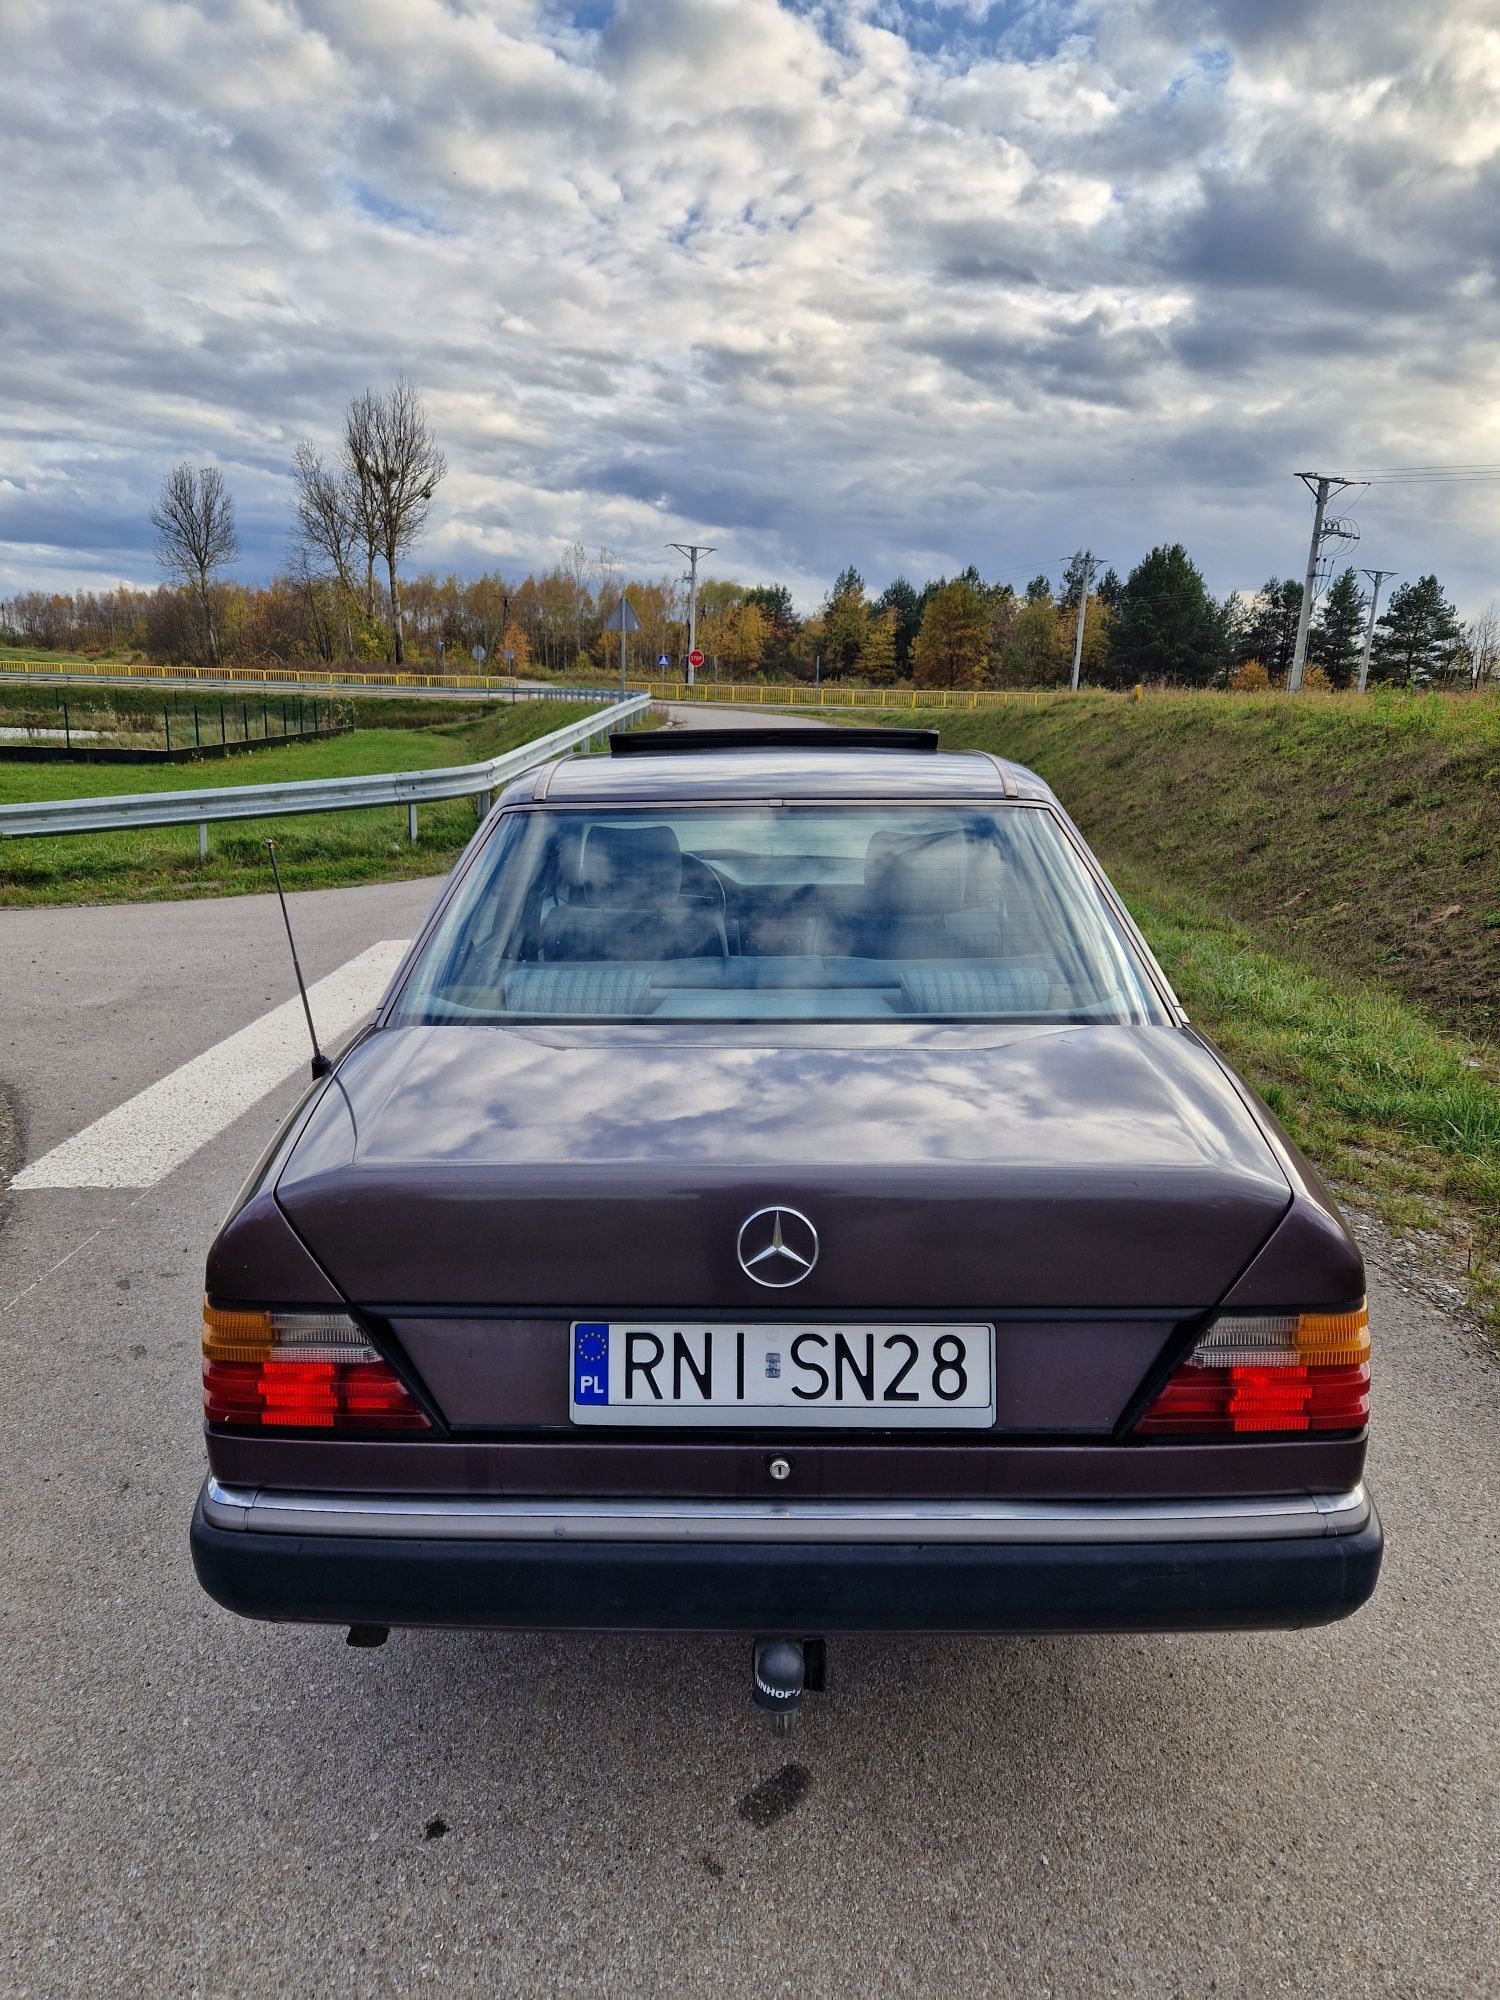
(443, 1519)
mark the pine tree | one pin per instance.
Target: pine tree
(775, 600)
(901, 598)
(1166, 626)
(846, 622)
(1268, 630)
(1418, 637)
(1338, 633)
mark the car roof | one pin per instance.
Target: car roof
(783, 775)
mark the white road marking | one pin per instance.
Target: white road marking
(142, 1140)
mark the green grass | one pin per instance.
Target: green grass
(315, 850)
(1364, 833)
(44, 658)
(1302, 957)
(1404, 1116)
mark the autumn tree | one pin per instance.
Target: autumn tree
(732, 627)
(1250, 677)
(877, 654)
(396, 465)
(1039, 648)
(196, 536)
(514, 649)
(953, 642)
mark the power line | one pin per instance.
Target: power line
(1323, 486)
(692, 550)
(1377, 578)
(1392, 475)
(1085, 559)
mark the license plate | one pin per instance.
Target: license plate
(886, 1377)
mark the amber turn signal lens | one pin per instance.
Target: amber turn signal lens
(303, 1371)
(235, 1336)
(1256, 1373)
(1333, 1340)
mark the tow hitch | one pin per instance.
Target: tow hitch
(782, 1671)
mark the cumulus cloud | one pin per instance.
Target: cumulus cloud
(911, 285)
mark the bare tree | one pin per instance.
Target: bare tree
(195, 535)
(1482, 646)
(395, 464)
(333, 530)
(325, 513)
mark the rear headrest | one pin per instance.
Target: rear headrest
(630, 867)
(916, 878)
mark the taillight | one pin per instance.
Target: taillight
(308, 1371)
(1262, 1372)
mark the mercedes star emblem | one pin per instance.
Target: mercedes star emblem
(777, 1246)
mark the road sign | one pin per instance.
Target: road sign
(476, 654)
(695, 658)
(662, 660)
(622, 619)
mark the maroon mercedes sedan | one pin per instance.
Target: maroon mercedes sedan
(780, 1194)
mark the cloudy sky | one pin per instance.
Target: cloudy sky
(907, 285)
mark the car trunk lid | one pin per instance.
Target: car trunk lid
(975, 1171)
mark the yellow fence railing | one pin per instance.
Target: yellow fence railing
(797, 694)
(110, 670)
(742, 694)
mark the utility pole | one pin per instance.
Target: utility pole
(692, 550)
(1086, 558)
(1377, 578)
(1321, 486)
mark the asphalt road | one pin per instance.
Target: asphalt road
(195, 1804)
(699, 715)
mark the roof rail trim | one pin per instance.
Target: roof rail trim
(1007, 777)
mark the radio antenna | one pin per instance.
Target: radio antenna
(321, 1066)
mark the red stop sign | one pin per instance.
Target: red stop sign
(695, 658)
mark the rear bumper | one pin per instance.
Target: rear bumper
(1062, 1567)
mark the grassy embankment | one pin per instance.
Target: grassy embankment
(1321, 880)
(315, 850)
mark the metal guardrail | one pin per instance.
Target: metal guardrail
(311, 795)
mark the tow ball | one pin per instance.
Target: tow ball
(782, 1671)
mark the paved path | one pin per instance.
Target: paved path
(700, 715)
(189, 1803)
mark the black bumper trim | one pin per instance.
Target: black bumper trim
(804, 1587)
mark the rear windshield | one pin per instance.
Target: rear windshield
(762, 913)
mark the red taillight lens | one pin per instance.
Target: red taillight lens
(1289, 1372)
(306, 1371)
